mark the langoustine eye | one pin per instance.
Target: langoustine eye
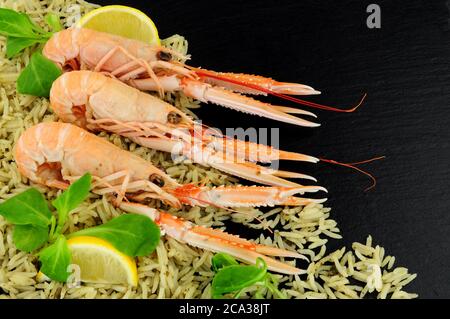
(156, 179)
(173, 118)
(164, 56)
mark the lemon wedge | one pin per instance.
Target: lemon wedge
(100, 262)
(122, 20)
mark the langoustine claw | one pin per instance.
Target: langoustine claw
(216, 240)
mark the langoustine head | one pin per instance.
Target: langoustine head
(80, 48)
(55, 154)
(88, 98)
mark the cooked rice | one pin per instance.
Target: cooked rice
(176, 270)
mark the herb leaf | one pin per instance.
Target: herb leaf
(55, 259)
(236, 277)
(28, 237)
(221, 260)
(27, 208)
(71, 198)
(35, 27)
(38, 76)
(134, 235)
(53, 21)
(21, 31)
(15, 45)
(16, 24)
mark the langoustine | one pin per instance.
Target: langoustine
(56, 154)
(95, 101)
(151, 67)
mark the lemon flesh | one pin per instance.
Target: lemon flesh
(122, 20)
(100, 262)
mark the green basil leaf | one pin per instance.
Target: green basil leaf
(16, 24)
(221, 260)
(237, 277)
(28, 237)
(38, 76)
(133, 235)
(15, 45)
(53, 21)
(35, 27)
(55, 259)
(27, 208)
(73, 196)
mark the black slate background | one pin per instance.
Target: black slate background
(405, 69)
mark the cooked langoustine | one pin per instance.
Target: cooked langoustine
(54, 154)
(150, 67)
(95, 101)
